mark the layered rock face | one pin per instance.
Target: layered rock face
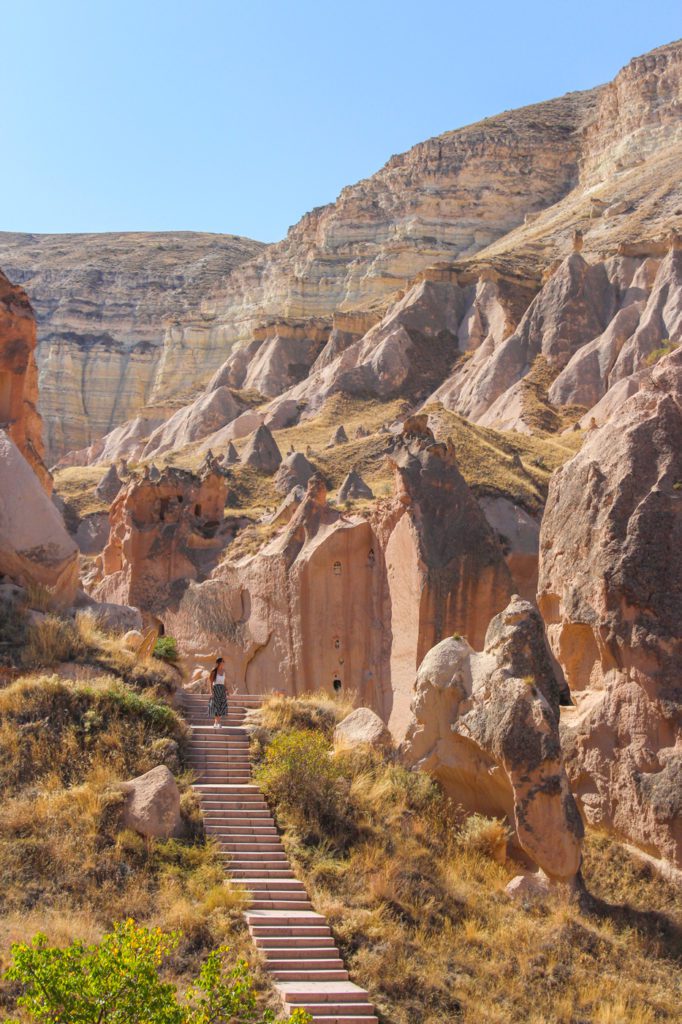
(19, 378)
(610, 592)
(353, 599)
(163, 533)
(34, 545)
(106, 305)
(487, 727)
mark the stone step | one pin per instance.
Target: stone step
(261, 927)
(271, 904)
(337, 1013)
(304, 964)
(301, 951)
(343, 992)
(276, 883)
(292, 938)
(306, 975)
(247, 875)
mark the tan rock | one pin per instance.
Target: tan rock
(109, 485)
(34, 545)
(19, 378)
(362, 727)
(487, 727)
(262, 452)
(354, 488)
(162, 534)
(358, 599)
(152, 804)
(610, 593)
(294, 471)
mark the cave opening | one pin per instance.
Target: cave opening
(5, 395)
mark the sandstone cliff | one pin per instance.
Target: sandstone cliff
(611, 594)
(19, 378)
(106, 305)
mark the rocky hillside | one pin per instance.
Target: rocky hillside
(494, 206)
(105, 305)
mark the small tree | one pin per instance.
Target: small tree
(166, 648)
(116, 981)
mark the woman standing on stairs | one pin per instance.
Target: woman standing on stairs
(217, 706)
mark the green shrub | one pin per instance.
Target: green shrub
(166, 649)
(117, 981)
(666, 347)
(305, 783)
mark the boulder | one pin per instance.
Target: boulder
(354, 488)
(262, 452)
(486, 725)
(362, 727)
(34, 544)
(154, 473)
(339, 436)
(152, 804)
(610, 591)
(231, 455)
(92, 533)
(294, 471)
(117, 618)
(109, 485)
(132, 639)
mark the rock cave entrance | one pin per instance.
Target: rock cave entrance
(5, 395)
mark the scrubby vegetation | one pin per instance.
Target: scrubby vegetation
(416, 895)
(666, 347)
(30, 642)
(67, 867)
(118, 981)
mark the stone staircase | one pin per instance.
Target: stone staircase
(297, 943)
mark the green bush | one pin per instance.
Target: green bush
(667, 346)
(305, 783)
(117, 981)
(166, 649)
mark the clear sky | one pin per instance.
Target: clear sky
(239, 117)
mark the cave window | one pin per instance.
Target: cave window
(337, 644)
(197, 510)
(5, 395)
(337, 684)
(179, 499)
(371, 558)
(163, 508)
(337, 568)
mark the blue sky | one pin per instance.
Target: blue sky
(239, 117)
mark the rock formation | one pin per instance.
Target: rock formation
(34, 545)
(294, 471)
(162, 535)
(106, 304)
(362, 727)
(152, 804)
(262, 452)
(354, 488)
(19, 378)
(357, 599)
(487, 727)
(339, 436)
(611, 594)
(109, 485)
(231, 455)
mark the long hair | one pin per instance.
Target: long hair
(214, 671)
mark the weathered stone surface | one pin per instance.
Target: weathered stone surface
(354, 488)
(19, 378)
(117, 618)
(231, 455)
(294, 471)
(262, 452)
(610, 592)
(109, 485)
(34, 545)
(339, 436)
(107, 307)
(487, 727)
(362, 727)
(162, 534)
(359, 599)
(203, 417)
(519, 536)
(152, 804)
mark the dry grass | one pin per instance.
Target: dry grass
(538, 412)
(76, 485)
(66, 867)
(54, 640)
(416, 900)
